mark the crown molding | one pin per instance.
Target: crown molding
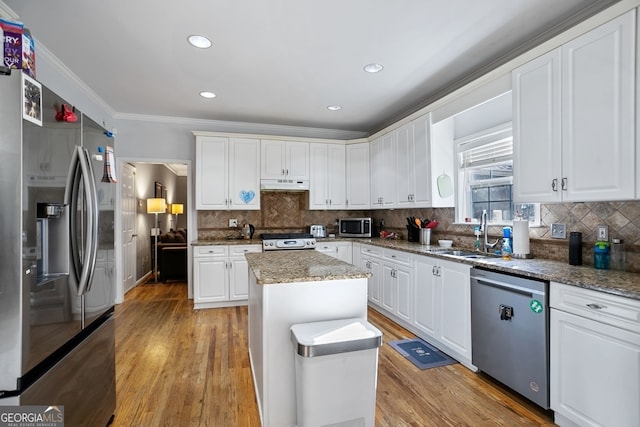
(7, 13)
(246, 127)
(46, 55)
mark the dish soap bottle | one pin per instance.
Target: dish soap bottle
(506, 243)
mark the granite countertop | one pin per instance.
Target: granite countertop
(300, 266)
(610, 281)
(217, 242)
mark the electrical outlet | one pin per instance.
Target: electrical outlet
(559, 231)
(602, 233)
(233, 223)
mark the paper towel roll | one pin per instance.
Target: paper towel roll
(520, 237)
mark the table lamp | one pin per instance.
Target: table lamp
(177, 209)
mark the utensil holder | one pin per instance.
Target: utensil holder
(425, 236)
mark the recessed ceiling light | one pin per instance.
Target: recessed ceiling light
(199, 41)
(334, 107)
(373, 68)
(207, 94)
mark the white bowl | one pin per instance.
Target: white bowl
(445, 243)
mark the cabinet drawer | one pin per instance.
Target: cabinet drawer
(371, 251)
(209, 251)
(606, 308)
(398, 257)
(240, 250)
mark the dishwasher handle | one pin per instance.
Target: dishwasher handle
(506, 286)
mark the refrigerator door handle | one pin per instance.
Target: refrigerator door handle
(92, 212)
(81, 170)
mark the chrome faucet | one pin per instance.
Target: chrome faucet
(484, 229)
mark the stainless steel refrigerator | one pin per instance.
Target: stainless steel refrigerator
(57, 287)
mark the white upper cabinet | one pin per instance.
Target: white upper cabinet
(574, 119)
(327, 176)
(227, 173)
(357, 176)
(244, 173)
(212, 173)
(285, 160)
(383, 174)
(413, 179)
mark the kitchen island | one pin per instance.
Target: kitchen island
(287, 288)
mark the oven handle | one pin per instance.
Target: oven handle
(506, 286)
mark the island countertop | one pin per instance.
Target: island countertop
(300, 266)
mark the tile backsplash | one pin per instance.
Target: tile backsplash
(288, 211)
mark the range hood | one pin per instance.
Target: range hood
(284, 184)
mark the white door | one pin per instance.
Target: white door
(404, 165)
(318, 177)
(537, 132)
(455, 303)
(336, 167)
(244, 173)
(128, 223)
(427, 285)
(598, 120)
(357, 176)
(272, 159)
(297, 160)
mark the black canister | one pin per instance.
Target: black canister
(575, 248)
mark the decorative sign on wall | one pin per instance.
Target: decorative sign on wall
(31, 100)
(247, 196)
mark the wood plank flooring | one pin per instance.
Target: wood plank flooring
(176, 366)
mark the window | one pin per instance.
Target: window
(485, 179)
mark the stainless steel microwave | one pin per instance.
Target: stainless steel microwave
(355, 227)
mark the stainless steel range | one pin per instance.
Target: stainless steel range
(285, 241)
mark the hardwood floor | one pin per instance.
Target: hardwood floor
(176, 366)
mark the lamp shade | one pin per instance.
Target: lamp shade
(177, 208)
(156, 206)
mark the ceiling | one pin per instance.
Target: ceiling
(283, 62)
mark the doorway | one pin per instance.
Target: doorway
(136, 226)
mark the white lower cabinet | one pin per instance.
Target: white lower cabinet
(339, 250)
(442, 306)
(595, 358)
(391, 284)
(429, 296)
(221, 275)
(397, 275)
(371, 258)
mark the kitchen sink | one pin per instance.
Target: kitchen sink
(461, 253)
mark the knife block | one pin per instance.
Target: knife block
(413, 234)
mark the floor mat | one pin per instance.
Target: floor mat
(421, 354)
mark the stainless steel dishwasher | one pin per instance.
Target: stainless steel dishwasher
(510, 331)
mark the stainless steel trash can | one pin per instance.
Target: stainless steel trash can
(336, 372)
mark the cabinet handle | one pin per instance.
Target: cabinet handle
(554, 184)
(564, 184)
(596, 306)
(282, 172)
